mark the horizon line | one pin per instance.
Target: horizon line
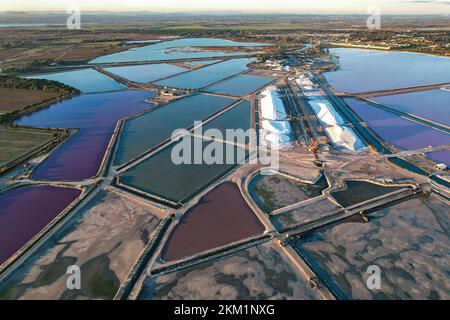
(229, 12)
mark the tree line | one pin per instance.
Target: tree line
(14, 82)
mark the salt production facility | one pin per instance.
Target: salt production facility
(342, 188)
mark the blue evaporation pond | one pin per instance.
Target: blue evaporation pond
(364, 70)
(431, 104)
(400, 132)
(160, 176)
(240, 85)
(95, 115)
(146, 73)
(176, 49)
(236, 118)
(154, 127)
(86, 80)
(202, 77)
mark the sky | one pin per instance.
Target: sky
(247, 6)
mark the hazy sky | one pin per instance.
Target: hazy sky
(257, 6)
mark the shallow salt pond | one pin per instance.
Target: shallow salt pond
(431, 104)
(360, 191)
(159, 175)
(176, 49)
(97, 237)
(95, 116)
(402, 133)
(241, 85)
(146, 73)
(221, 217)
(154, 127)
(193, 64)
(205, 76)
(272, 192)
(25, 211)
(236, 118)
(408, 241)
(86, 80)
(363, 70)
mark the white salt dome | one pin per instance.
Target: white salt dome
(345, 137)
(277, 126)
(272, 107)
(325, 112)
(340, 135)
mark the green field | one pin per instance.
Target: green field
(16, 142)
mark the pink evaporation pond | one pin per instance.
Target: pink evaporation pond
(400, 132)
(25, 211)
(221, 217)
(96, 116)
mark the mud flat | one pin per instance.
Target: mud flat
(360, 191)
(257, 273)
(408, 241)
(104, 239)
(311, 211)
(25, 211)
(276, 191)
(221, 217)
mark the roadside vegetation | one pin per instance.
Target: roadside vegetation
(13, 82)
(27, 142)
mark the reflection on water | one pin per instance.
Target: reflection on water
(160, 176)
(176, 49)
(86, 80)
(221, 217)
(241, 85)
(402, 133)
(234, 119)
(150, 129)
(431, 104)
(25, 211)
(146, 73)
(95, 116)
(202, 77)
(373, 70)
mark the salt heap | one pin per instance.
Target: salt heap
(279, 133)
(337, 129)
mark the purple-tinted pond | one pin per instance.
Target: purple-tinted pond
(402, 133)
(430, 104)
(27, 210)
(95, 115)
